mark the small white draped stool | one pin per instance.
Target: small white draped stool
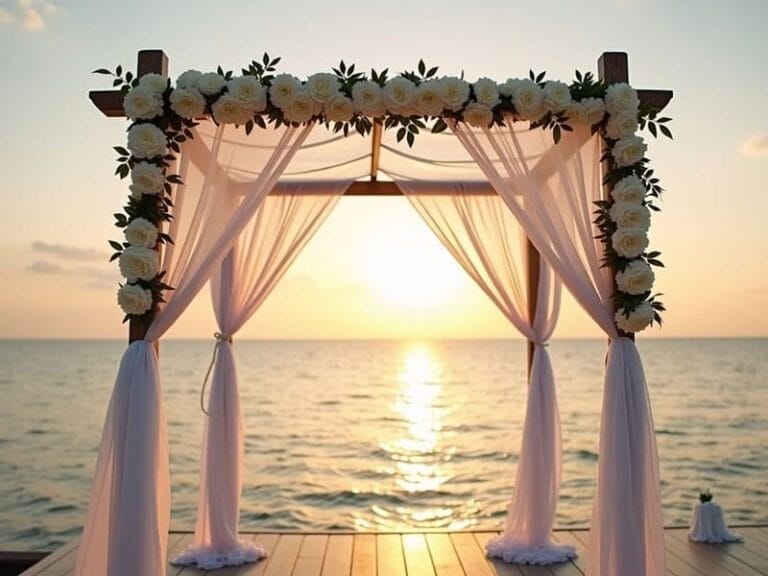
(708, 525)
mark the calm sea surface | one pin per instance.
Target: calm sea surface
(378, 435)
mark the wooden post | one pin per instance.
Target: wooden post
(612, 67)
(149, 61)
(532, 270)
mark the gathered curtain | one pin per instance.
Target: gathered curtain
(282, 226)
(481, 233)
(551, 189)
(126, 530)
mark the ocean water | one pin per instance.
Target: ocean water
(381, 434)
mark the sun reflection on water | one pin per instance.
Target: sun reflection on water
(418, 447)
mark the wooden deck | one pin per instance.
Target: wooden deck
(440, 554)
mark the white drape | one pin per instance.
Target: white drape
(550, 190)
(483, 236)
(265, 250)
(126, 530)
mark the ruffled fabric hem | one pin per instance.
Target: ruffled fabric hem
(719, 538)
(206, 558)
(516, 552)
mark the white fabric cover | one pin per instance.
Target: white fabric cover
(550, 189)
(708, 525)
(126, 531)
(478, 229)
(265, 250)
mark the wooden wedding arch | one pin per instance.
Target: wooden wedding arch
(612, 67)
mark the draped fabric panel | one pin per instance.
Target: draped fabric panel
(551, 189)
(126, 530)
(264, 251)
(481, 233)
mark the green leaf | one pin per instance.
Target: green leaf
(411, 138)
(121, 150)
(114, 256)
(556, 134)
(102, 71)
(652, 129)
(666, 131)
(116, 245)
(117, 82)
(439, 126)
(422, 67)
(432, 71)
(401, 134)
(119, 71)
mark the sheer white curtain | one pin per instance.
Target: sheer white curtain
(284, 223)
(126, 529)
(478, 229)
(550, 189)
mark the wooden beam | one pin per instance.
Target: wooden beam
(612, 67)
(149, 61)
(110, 102)
(375, 149)
(532, 271)
(656, 99)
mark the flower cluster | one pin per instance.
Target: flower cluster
(163, 114)
(625, 218)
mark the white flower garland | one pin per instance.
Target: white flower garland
(163, 114)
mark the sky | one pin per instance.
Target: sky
(58, 192)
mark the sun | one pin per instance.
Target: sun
(407, 267)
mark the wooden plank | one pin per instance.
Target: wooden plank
(283, 559)
(52, 559)
(716, 554)
(307, 566)
(749, 555)
(470, 554)
(655, 99)
(499, 567)
(378, 128)
(338, 556)
(389, 555)
(364, 555)
(417, 558)
(702, 563)
(569, 537)
(753, 533)
(177, 542)
(444, 558)
(313, 546)
(532, 270)
(266, 541)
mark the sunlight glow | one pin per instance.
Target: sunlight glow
(408, 268)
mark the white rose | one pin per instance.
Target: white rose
(188, 79)
(629, 150)
(142, 104)
(528, 100)
(211, 83)
(630, 215)
(629, 242)
(557, 96)
(621, 125)
(629, 189)
(322, 87)
(141, 232)
(283, 90)
(187, 102)
(621, 97)
(300, 109)
(429, 98)
(249, 92)
(369, 98)
(137, 262)
(154, 82)
(339, 109)
(638, 320)
(455, 92)
(147, 141)
(134, 299)
(478, 115)
(637, 278)
(589, 111)
(146, 178)
(508, 88)
(486, 92)
(227, 110)
(399, 94)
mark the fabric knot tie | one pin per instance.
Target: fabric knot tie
(220, 339)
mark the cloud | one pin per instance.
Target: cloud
(45, 267)
(6, 17)
(69, 252)
(30, 15)
(755, 145)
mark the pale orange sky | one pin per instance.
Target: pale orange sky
(57, 190)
